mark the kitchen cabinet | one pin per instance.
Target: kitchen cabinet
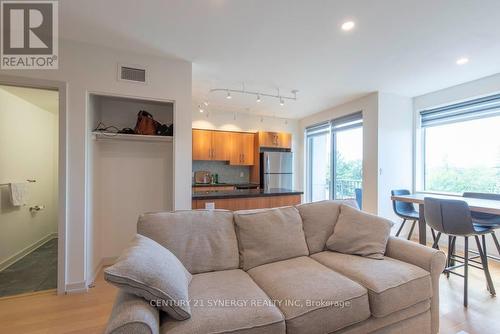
(234, 204)
(242, 149)
(211, 145)
(213, 188)
(275, 139)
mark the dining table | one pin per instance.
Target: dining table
(475, 204)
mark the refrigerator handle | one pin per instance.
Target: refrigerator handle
(268, 165)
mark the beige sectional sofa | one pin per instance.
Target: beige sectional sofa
(269, 271)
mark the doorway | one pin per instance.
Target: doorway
(29, 189)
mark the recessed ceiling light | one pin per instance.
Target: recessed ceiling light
(348, 25)
(462, 61)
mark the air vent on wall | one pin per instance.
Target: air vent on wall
(132, 73)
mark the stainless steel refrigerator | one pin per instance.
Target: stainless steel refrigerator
(276, 170)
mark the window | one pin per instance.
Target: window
(461, 147)
(337, 175)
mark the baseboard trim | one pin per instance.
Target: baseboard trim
(27, 250)
(78, 287)
(106, 261)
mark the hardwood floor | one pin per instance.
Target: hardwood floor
(46, 313)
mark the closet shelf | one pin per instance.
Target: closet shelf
(98, 135)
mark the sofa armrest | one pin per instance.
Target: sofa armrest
(427, 258)
(133, 315)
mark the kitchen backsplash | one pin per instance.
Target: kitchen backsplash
(227, 173)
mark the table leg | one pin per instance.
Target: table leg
(422, 228)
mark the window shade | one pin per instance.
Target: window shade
(318, 129)
(347, 122)
(478, 108)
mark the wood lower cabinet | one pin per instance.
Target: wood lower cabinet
(213, 188)
(248, 203)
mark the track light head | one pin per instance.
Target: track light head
(228, 96)
(200, 108)
(282, 102)
(258, 98)
(205, 103)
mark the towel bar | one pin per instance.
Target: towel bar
(28, 180)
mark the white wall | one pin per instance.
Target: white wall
(28, 150)
(477, 88)
(87, 68)
(395, 149)
(369, 106)
(217, 120)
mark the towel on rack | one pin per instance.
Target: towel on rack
(19, 193)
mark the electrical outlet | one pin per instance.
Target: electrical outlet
(242, 174)
(210, 206)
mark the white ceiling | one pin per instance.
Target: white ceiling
(407, 47)
(45, 99)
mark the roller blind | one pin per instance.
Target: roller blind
(473, 109)
(347, 122)
(318, 129)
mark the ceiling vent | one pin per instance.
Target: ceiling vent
(132, 73)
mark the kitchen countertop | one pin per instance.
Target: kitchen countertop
(242, 193)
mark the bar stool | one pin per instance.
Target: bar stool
(486, 219)
(404, 210)
(453, 217)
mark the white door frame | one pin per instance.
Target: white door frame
(61, 87)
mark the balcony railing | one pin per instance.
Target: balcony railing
(345, 188)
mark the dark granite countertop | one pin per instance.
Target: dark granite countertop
(242, 193)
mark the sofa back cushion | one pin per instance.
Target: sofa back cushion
(360, 233)
(203, 240)
(319, 219)
(269, 235)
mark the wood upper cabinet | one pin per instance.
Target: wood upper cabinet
(202, 145)
(211, 145)
(235, 147)
(221, 145)
(275, 139)
(242, 149)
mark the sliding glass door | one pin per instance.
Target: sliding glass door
(348, 164)
(318, 163)
(334, 159)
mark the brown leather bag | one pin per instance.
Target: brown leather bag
(146, 125)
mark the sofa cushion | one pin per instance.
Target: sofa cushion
(204, 240)
(227, 302)
(132, 314)
(269, 235)
(360, 233)
(318, 220)
(149, 270)
(313, 298)
(392, 284)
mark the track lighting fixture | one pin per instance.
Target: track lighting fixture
(258, 95)
(200, 108)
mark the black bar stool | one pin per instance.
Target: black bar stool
(453, 218)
